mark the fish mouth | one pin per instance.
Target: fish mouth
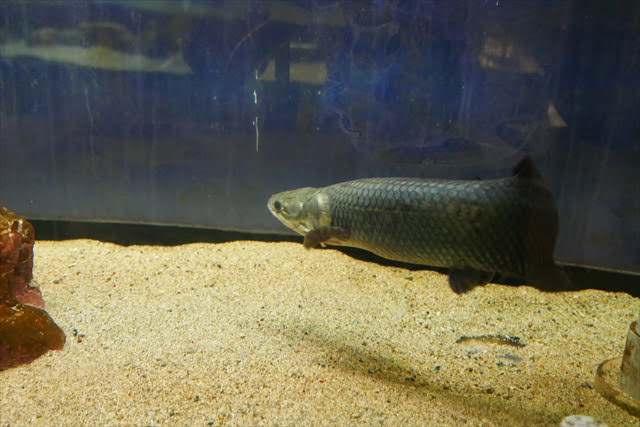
(271, 204)
(298, 227)
(289, 208)
(272, 209)
(290, 223)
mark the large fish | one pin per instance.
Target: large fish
(474, 228)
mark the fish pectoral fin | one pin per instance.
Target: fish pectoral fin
(464, 279)
(324, 234)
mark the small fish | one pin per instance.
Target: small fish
(474, 228)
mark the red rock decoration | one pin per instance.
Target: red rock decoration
(26, 330)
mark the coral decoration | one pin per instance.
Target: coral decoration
(26, 330)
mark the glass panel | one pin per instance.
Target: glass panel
(194, 112)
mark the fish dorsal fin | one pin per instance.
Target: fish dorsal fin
(526, 169)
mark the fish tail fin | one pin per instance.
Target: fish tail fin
(551, 278)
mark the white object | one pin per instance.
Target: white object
(581, 421)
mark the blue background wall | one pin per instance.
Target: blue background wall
(193, 113)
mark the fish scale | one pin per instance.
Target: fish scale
(438, 223)
(475, 228)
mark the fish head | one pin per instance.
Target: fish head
(296, 209)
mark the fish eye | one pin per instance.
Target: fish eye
(277, 205)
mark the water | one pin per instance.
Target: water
(188, 113)
(192, 113)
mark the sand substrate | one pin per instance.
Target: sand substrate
(253, 333)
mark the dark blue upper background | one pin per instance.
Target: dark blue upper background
(189, 113)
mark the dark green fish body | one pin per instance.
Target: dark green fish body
(475, 228)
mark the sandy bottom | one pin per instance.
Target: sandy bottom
(268, 333)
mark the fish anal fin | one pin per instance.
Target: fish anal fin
(324, 234)
(464, 279)
(526, 169)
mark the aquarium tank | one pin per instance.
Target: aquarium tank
(192, 113)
